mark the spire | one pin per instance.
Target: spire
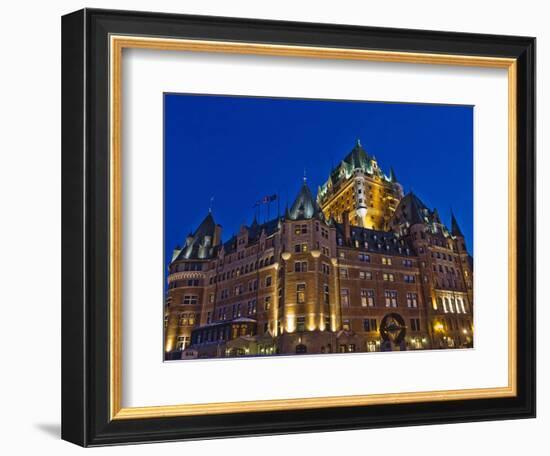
(455, 229)
(392, 175)
(304, 206)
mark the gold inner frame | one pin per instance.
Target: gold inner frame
(117, 44)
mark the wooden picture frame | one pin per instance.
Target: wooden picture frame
(92, 44)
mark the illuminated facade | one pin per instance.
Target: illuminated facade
(359, 268)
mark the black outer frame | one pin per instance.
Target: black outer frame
(85, 227)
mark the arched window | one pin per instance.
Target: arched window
(439, 302)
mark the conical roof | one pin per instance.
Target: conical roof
(412, 209)
(304, 206)
(199, 244)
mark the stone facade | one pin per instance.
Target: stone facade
(359, 268)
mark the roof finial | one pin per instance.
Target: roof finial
(358, 142)
(211, 203)
(305, 178)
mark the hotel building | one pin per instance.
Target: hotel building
(361, 267)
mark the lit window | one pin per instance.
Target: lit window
(412, 300)
(365, 275)
(346, 326)
(390, 298)
(190, 299)
(344, 273)
(344, 297)
(367, 298)
(267, 302)
(301, 292)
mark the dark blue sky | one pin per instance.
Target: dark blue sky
(239, 149)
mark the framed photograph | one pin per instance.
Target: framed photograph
(275, 227)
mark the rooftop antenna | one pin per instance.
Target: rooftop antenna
(211, 204)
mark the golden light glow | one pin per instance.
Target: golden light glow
(285, 256)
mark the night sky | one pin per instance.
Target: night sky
(239, 149)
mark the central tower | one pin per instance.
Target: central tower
(358, 187)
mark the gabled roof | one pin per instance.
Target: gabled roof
(304, 206)
(199, 244)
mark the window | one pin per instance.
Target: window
(364, 257)
(166, 321)
(190, 300)
(445, 305)
(184, 320)
(325, 268)
(365, 275)
(388, 277)
(346, 326)
(183, 341)
(193, 283)
(251, 307)
(407, 263)
(369, 324)
(301, 324)
(453, 306)
(300, 248)
(301, 293)
(209, 318)
(367, 298)
(391, 298)
(409, 278)
(267, 302)
(238, 290)
(325, 251)
(415, 324)
(268, 281)
(461, 303)
(412, 300)
(300, 229)
(300, 266)
(344, 297)
(386, 260)
(324, 233)
(211, 298)
(344, 274)
(326, 294)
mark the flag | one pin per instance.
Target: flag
(269, 199)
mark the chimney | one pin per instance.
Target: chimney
(217, 235)
(347, 229)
